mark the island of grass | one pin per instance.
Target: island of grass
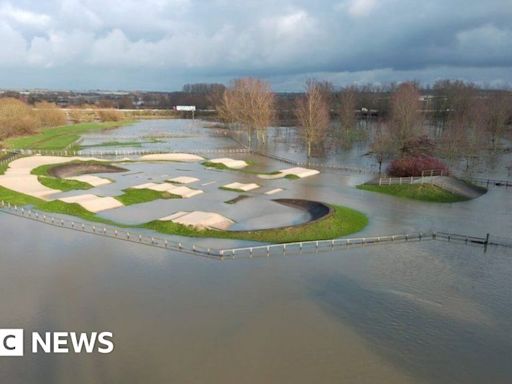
(56, 206)
(76, 168)
(59, 138)
(423, 192)
(342, 222)
(63, 184)
(223, 167)
(54, 175)
(219, 166)
(232, 189)
(133, 196)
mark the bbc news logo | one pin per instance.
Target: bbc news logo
(12, 342)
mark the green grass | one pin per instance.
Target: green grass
(58, 138)
(232, 189)
(344, 221)
(20, 199)
(74, 209)
(43, 175)
(44, 170)
(423, 192)
(63, 184)
(222, 167)
(123, 143)
(115, 144)
(133, 196)
(218, 166)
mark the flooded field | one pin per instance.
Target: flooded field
(427, 312)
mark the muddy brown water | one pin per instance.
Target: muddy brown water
(429, 312)
(410, 313)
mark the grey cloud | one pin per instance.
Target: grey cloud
(177, 41)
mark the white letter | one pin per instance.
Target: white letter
(60, 342)
(108, 344)
(83, 341)
(44, 344)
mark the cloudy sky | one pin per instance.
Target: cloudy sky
(162, 44)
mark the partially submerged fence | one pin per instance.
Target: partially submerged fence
(99, 229)
(321, 245)
(142, 237)
(490, 182)
(117, 152)
(488, 239)
(325, 165)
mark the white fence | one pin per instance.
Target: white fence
(117, 152)
(99, 229)
(427, 177)
(141, 237)
(321, 245)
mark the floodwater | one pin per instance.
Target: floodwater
(426, 312)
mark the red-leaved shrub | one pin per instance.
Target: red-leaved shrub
(415, 165)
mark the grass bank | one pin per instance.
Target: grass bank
(133, 196)
(57, 183)
(71, 209)
(344, 221)
(423, 192)
(59, 138)
(63, 184)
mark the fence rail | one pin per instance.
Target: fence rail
(402, 180)
(10, 157)
(321, 245)
(468, 239)
(490, 182)
(99, 229)
(140, 237)
(333, 166)
(116, 153)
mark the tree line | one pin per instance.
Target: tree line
(453, 119)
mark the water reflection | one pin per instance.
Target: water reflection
(423, 312)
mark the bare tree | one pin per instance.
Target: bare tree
(347, 110)
(405, 113)
(458, 109)
(497, 112)
(250, 103)
(312, 112)
(381, 147)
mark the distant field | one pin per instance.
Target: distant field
(59, 138)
